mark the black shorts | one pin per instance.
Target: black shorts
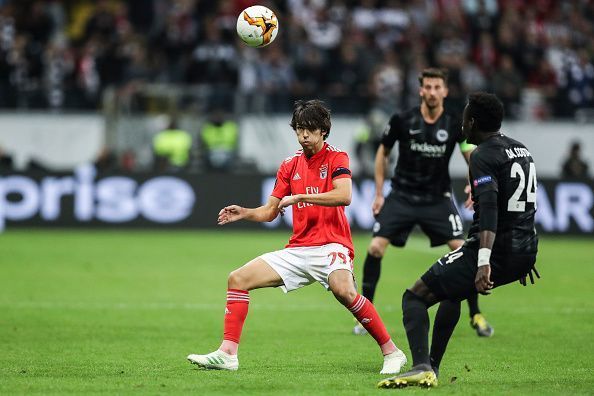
(440, 221)
(452, 276)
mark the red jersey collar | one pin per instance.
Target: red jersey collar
(316, 155)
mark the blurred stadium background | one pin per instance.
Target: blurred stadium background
(86, 87)
(151, 114)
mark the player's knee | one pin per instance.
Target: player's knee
(345, 294)
(376, 249)
(420, 289)
(236, 280)
(420, 292)
(454, 244)
(408, 297)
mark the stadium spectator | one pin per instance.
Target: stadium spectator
(214, 64)
(172, 148)
(578, 82)
(507, 83)
(219, 138)
(276, 80)
(387, 83)
(575, 167)
(310, 71)
(543, 80)
(193, 42)
(346, 84)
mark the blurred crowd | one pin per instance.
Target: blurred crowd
(537, 55)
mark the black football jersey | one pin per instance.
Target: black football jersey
(504, 165)
(422, 170)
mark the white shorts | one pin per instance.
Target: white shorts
(302, 266)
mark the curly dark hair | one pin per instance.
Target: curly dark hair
(433, 72)
(487, 111)
(311, 114)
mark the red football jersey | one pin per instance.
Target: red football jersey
(315, 225)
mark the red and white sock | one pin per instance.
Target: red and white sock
(236, 310)
(365, 312)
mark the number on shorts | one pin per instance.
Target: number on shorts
(456, 222)
(453, 255)
(340, 255)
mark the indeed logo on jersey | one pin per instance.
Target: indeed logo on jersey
(482, 180)
(428, 150)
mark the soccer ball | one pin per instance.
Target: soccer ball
(257, 26)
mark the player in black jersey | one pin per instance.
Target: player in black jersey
(421, 188)
(501, 246)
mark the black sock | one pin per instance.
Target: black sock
(473, 307)
(371, 273)
(446, 319)
(416, 324)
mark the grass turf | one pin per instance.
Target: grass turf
(117, 312)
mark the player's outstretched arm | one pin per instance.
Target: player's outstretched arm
(266, 212)
(340, 195)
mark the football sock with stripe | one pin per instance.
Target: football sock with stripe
(371, 274)
(236, 311)
(366, 314)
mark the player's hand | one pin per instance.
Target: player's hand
(287, 201)
(468, 203)
(378, 204)
(229, 214)
(482, 281)
(523, 279)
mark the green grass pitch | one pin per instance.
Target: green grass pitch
(117, 312)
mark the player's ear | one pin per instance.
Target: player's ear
(445, 91)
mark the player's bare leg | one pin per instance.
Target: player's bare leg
(371, 273)
(477, 319)
(343, 287)
(253, 275)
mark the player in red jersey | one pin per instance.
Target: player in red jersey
(316, 182)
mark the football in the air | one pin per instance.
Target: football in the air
(257, 26)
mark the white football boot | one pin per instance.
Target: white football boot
(393, 362)
(217, 360)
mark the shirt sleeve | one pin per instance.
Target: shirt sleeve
(282, 186)
(483, 174)
(392, 131)
(465, 146)
(340, 166)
